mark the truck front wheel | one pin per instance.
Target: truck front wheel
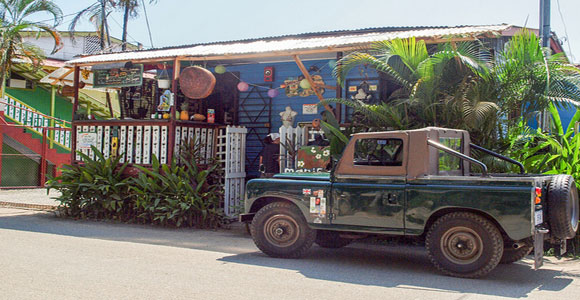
(280, 230)
(464, 244)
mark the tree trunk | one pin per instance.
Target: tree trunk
(125, 23)
(103, 18)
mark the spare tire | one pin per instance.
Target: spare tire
(563, 207)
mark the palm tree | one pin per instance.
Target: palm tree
(437, 89)
(528, 79)
(14, 15)
(97, 14)
(130, 10)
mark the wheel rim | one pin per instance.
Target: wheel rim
(461, 245)
(281, 230)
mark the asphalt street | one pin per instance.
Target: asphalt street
(45, 257)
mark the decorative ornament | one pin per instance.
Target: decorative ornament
(220, 69)
(163, 80)
(243, 86)
(304, 84)
(332, 63)
(273, 93)
(288, 116)
(196, 82)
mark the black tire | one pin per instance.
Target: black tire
(563, 207)
(330, 239)
(280, 230)
(511, 255)
(463, 244)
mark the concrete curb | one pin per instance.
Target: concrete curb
(29, 206)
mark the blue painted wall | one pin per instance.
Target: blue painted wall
(254, 74)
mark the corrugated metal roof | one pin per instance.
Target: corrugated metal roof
(309, 41)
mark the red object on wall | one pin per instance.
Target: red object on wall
(268, 74)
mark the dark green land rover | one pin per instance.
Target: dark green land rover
(416, 184)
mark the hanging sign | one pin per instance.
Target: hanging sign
(118, 77)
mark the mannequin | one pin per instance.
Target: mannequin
(288, 117)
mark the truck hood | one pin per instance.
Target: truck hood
(323, 176)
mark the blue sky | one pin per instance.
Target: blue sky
(179, 22)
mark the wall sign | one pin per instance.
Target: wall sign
(309, 109)
(86, 140)
(118, 77)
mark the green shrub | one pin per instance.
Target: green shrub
(187, 193)
(95, 189)
(178, 195)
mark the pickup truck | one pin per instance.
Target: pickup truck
(416, 184)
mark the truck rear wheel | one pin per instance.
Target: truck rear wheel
(563, 207)
(330, 239)
(280, 230)
(463, 244)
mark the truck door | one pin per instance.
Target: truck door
(369, 183)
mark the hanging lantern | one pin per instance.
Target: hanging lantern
(163, 80)
(332, 63)
(219, 69)
(273, 93)
(243, 86)
(304, 84)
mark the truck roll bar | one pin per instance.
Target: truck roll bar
(513, 161)
(460, 155)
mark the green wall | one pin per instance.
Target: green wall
(39, 98)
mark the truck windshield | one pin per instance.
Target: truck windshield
(449, 164)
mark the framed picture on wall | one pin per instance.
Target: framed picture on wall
(365, 90)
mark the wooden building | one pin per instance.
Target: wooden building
(255, 80)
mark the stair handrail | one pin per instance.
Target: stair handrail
(30, 109)
(39, 128)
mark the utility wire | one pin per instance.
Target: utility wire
(65, 16)
(566, 32)
(147, 20)
(121, 26)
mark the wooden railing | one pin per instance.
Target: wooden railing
(138, 140)
(23, 114)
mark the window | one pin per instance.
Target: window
(378, 152)
(20, 82)
(449, 164)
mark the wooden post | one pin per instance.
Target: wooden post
(172, 126)
(73, 145)
(52, 112)
(43, 153)
(2, 124)
(109, 103)
(309, 78)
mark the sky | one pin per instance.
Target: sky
(181, 22)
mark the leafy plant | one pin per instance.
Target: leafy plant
(185, 194)
(555, 152)
(95, 189)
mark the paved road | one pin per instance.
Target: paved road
(43, 257)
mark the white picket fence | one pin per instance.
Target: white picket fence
(291, 139)
(231, 151)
